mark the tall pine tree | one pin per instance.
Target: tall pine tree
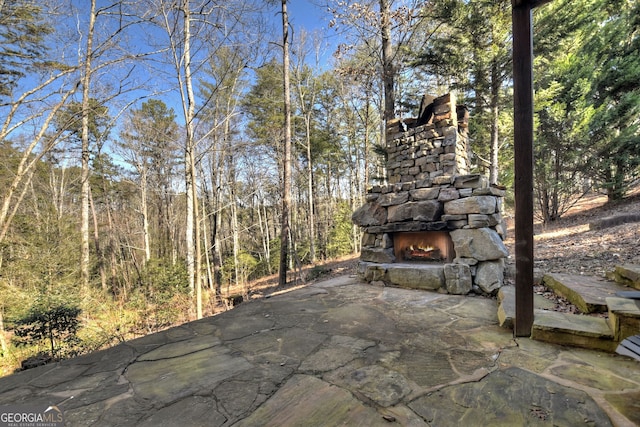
(615, 127)
(470, 53)
(563, 106)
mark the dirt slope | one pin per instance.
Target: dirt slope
(570, 246)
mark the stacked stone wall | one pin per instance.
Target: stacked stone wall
(418, 151)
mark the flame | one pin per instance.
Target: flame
(421, 248)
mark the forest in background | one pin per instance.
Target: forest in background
(156, 156)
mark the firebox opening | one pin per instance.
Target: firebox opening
(424, 246)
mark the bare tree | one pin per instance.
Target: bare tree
(195, 29)
(33, 105)
(147, 143)
(386, 28)
(56, 85)
(99, 54)
(388, 72)
(307, 91)
(86, 82)
(285, 231)
(222, 86)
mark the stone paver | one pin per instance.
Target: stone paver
(339, 352)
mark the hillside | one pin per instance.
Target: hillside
(570, 245)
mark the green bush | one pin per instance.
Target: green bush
(162, 297)
(52, 322)
(161, 279)
(246, 268)
(341, 234)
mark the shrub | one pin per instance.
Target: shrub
(55, 323)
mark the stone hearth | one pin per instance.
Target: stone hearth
(433, 225)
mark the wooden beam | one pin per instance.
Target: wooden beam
(523, 153)
(536, 3)
(531, 3)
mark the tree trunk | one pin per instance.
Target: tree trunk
(495, 137)
(6, 216)
(57, 188)
(310, 207)
(112, 252)
(217, 245)
(96, 240)
(145, 214)
(235, 242)
(193, 248)
(31, 154)
(307, 111)
(207, 259)
(3, 342)
(264, 232)
(367, 116)
(84, 175)
(189, 228)
(557, 171)
(286, 164)
(388, 73)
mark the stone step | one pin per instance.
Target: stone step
(628, 274)
(588, 293)
(507, 306)
(624, 317)
(573, 330)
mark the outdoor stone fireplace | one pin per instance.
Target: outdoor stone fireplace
(433, 225)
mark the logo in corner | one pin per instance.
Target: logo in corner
(31, 416)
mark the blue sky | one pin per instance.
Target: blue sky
(306, 14)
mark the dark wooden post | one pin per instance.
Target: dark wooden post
(523, 153)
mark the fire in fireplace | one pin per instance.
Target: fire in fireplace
(424, 246)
